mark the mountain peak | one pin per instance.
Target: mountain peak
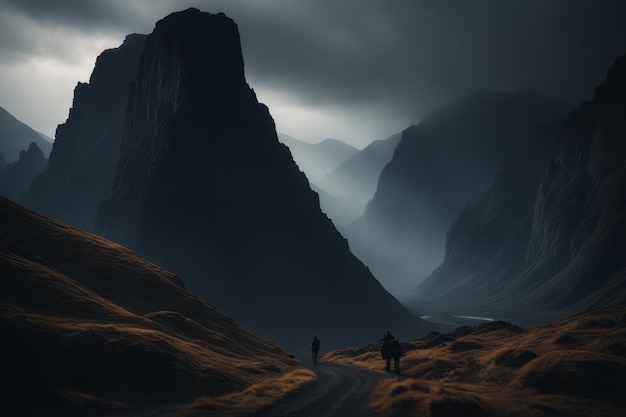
(204, 188)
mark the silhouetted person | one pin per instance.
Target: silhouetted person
(385, 350)
(315, 349)
(396, 352)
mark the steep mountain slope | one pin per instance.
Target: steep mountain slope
(575, 256)
(89, 326)
(486, 241)
(16, 177)
(569, 254)
(342, 211)
(16, 136)
(204, 188)
(438, 167)
(47, 139)
(83, 160)
(318, 159)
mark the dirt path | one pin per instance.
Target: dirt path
(338, 391)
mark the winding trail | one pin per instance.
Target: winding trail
(338, 391)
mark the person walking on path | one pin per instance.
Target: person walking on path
(385, 349)
(315, 349)
(396, 352)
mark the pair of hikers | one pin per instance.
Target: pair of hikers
(391, 348)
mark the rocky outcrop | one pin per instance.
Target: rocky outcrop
(439, 166)
(15, 178)
(204, 188)
(82, 163)
(16, 136)
(568, 252)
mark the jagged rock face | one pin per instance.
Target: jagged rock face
(204, 188)
(486, 242)
(575, 257)
(15, 178)
(566, 253)
(438, 167)
(15, 137)
(84, 156)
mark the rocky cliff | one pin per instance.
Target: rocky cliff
(439, 166)
(568, 252)
(204, 188)
(82, 163)
(575, 256)
(486, 241)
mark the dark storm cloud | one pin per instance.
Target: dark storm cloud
(407, 53)
(398, 57)
(84, 14)
(50, 28)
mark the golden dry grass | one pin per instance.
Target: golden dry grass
(89, 325)
(575, 366)
(250, 400)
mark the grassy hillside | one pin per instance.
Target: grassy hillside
(89, 325)
(575, 366)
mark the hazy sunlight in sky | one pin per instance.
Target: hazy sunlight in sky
(42, 86)
(292, 118)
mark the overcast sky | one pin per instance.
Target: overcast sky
(355, 70)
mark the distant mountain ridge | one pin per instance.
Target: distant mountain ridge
(352, 184)
(569, 252)
(15, 136)
(440, 165)
(318, 159)
(204, 188)
(358, 175)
